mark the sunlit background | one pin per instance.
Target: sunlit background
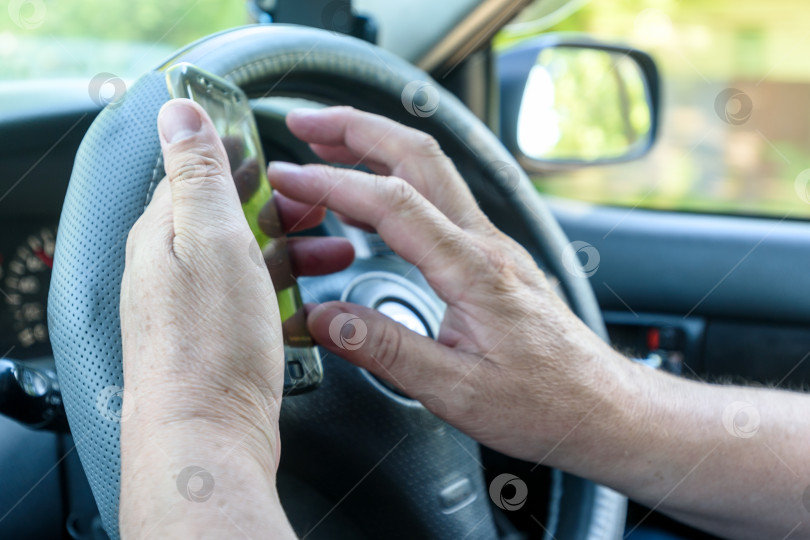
(83, 37)
(702, 162)
(703, 47)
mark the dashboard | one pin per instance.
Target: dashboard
(41, 130)
(26, 261)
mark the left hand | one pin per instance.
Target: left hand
(202, 342)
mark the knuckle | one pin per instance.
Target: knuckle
(495, 261)
(510, 267)
(426, 145)
(199, 163)
(386, 343)
(459, 246)
(400, 194)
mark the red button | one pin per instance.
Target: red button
(653, 339)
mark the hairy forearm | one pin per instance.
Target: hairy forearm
(727, 459)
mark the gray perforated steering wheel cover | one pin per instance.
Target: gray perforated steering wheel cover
(115, 166)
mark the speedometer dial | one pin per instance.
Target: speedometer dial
(26, 284)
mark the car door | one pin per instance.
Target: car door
(698, 252)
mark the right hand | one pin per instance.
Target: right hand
(512, 366)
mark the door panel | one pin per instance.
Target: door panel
(736, 288)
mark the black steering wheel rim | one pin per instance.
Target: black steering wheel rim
(119, 162)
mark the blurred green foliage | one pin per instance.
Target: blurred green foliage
(63, 38)
(702, 162)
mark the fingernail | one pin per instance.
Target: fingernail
(178, 120)
(283, 167)
(316, 311)
(305, 112)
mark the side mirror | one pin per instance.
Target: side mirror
(571, 102)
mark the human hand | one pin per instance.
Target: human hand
(512, 366)
(202, 343)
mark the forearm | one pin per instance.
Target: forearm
(727, 459)
(197, 480)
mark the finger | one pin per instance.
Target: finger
(319, 256)
(204, 198)
(405, 152)
(245, 172)
(278, 262)
(415, 364)
(246, 179)
(234, 149)
(287, 258)
(341, 154)
(405, 220)
(354, 223)
(296, 216)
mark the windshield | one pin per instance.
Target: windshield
(81, 38)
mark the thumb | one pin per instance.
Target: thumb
(417, 365)
(204, 197)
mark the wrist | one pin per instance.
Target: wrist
(194, 478)
(195, 491)
(228, 407)
(606, 415)
(182, 419)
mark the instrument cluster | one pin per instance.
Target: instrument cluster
(26, 262)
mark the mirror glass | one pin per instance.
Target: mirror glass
(584, 105)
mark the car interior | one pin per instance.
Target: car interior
(568, 128)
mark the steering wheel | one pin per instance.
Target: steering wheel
(408, 474)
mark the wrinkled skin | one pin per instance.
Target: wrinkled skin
(200, 323)
(202, 343)
(512, 366)
(507, 345)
